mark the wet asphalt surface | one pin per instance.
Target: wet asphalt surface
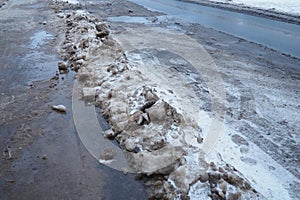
(41, 154)
(256, 29)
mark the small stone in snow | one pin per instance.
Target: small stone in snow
(44, 157)
(140, 120)
(89, 93)
(62, 65)
(223, 186)
(102, 34)
(203, 177)
(146, 117)
(214, 176)
(109, 133)
(59, 108)
(199, 139)
(136, 149)
(108, 154)
(101, 27)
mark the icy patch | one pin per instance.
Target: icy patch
(130, 19)
(38, 39)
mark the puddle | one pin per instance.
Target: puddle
(35, 56)
(91, 134)
(42, 71)
(146, 20)
(38, 66)
(35, 6)
(36, 63)
(38, 39)
(130, 19)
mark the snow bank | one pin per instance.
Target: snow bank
(287, 6)
(148, 120)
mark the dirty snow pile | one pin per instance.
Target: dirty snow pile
(150, 130)
(287, 6)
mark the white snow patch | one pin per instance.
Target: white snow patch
(287, 6)
(199, 191)
(272, 184)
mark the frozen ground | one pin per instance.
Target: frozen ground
(287, 6)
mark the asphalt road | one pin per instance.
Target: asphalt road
(280, 36)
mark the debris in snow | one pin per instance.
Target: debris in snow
(161, 161)
(89, 94)
(146, 117)
(109, 133)
(7, 152)
(199, 139)
(102, 34)
(44, 157)
(101, 27)
(107, 155)
(140, 120)
(62, 66)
